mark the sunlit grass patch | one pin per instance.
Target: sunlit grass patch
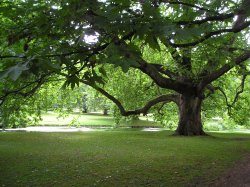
(92, 119)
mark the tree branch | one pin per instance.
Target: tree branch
(18, 91)
(97, 50)
(220, 17)
(224, 69)
(186, 4)
(164, 71)
(239, 90)
(213, 89)
(10, 56)
(155, 71)
(152, 71)
(211, 34)
(144, 110)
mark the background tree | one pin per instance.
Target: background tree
(194, 43)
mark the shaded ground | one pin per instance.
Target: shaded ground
(237, 176)
(119, 157)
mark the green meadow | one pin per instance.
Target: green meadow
(120, 157)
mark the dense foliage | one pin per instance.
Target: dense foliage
(182, 52)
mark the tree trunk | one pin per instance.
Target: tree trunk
(84, 104)
(105, 111)
(190, 116)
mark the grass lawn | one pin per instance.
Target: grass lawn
(92, 119)
(115, 158)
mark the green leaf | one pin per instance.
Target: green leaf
(72, 86)
(65, 84)
(134, 49)
(246, 7)
(102, 71)
(54, 66)
(152, 42)
(125, 67)
(71, 81)
(149, 10)
(97, 78)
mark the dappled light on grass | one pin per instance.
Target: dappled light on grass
(92, 120)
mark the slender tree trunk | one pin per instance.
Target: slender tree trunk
(84, 103)
(105, 111)
(3, 127)
(190, 116)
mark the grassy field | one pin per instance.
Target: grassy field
(94, 119)
(116, 158)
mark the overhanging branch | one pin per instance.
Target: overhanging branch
(152, 71)
(187, 4)
(220, 17)
(239, 90)
(211, 34)
(144, 110)
(224, 69)
(164, 71)
(20, 91)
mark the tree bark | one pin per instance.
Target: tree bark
(189, 116)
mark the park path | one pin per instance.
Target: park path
(237, 176)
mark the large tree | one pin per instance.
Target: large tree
(192, 44)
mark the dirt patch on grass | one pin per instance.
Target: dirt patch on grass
(237, 176)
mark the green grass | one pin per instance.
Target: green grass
(51, 119)
(115, 158)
